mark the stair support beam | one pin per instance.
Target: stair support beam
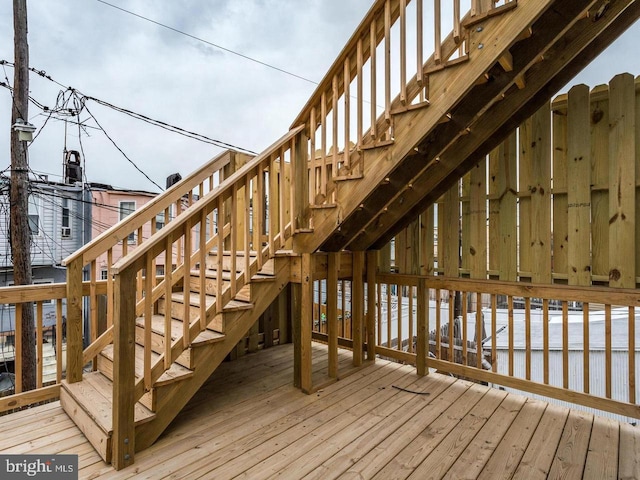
(124, 340)
(302, 321)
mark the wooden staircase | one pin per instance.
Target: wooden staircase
(339, 178)
(89, 401)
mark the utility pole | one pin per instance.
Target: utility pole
(19, 192)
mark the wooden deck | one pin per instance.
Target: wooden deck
(380, 422)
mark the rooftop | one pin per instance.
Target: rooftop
(382, 421)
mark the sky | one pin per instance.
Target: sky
(137, 65)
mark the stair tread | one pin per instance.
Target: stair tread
(175, 371)
(194, 299)
(95, 393)
(238, 305)
(157, 326)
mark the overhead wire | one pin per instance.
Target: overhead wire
(207, 42)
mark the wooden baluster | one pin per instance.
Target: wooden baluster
(294, 190)
(247, 227)
(586, 351)
(479, 330)
(357, 306)
(510, 329)
(168, 291)
(465, 332)
(283, 188)
(258, 204)
(419, 44)
(234, 239)
(373, 44)
(93, 302)
(389, 317)
(186, 290)
(109, 288)
(403, 51)
(456, 21)
(334, 97)
(607, 349)
(139, 241)
(411, 321)
(212, 218)
(437, 19)
(58, 345)
(323, 146)
(17, 349)
(422, 346)
(179, 242)
(272, 205)
(494, 333)
(387, 63)
(347, 113)
(313, 161)
(372, 258)
(148, 314)
(565, 344)
(438, 324)
(545, 340)
(203, 267)
(359, 86)
(452, 318)
(632, 355)
(219, 266)
(379, 316)
(39, 341)
(399, 289)
(527, 336)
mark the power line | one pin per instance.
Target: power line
(220, 47)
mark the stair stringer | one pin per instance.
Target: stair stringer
(237, 325)
(447, 88)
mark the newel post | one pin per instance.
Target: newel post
(124, 368)
(74, 320)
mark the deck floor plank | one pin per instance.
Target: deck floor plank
(537, 459)
(440, 460)
(508, 453)
(248, 421)
(574, 444)
(602, 457)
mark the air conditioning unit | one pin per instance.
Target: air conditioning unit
(66, 232)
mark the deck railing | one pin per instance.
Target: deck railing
(49, 303)
(383, 69)
(577, 344)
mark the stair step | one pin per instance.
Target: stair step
(211, 283)
(237, 305)
(174, 374)
(157, 329)
(212, 259)
(346, 178)
(379, 144)
(89, 403)
(410, 108)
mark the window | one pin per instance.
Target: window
(104, 274)
(34, 215)
(66, 223)
(126, 209)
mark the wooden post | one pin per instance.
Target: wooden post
(422, 347)
(19, 194)
(124, 369)
(302, 323)
(296, 332)
(357, 306)
(372, 260)
(74, 321)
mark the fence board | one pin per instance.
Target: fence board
(478, 220)
(599, 112)
(560, 232)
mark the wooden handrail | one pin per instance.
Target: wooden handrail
(123, 229)
(155, 243)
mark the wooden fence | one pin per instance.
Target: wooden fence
(556, 202)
